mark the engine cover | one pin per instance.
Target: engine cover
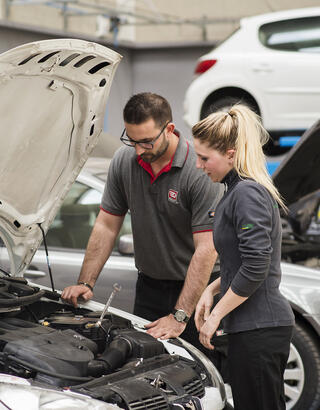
(40, 347)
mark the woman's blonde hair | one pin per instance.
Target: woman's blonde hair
(240, 129)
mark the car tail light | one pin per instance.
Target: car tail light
(204, 65)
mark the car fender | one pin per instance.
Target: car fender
(301, 287)
(201, 88)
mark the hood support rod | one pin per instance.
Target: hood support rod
(47, 256)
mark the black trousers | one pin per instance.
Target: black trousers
(156, 298)
(256, 363)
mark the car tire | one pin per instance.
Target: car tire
(224, 104)
(302, 374)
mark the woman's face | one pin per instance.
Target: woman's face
(213, 163)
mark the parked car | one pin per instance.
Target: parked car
(68, 236)
(270, 63)
(52, 100)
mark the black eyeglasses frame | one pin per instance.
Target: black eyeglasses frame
(146, 145)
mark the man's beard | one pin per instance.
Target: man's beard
(150, 157)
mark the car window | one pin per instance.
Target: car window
(76, 217)
(300, 34)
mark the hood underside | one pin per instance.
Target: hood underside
(299, 173)
(53, 97)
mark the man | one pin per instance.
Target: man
(170, 201)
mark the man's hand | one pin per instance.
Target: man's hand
(72, 293)
(100, 245)
(165, 328)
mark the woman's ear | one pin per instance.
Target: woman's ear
(231, 153)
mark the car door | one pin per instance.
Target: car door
(286, 71)
(67, 239)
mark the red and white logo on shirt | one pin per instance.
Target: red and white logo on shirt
(173, 195)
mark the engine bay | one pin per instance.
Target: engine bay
(58, 346)
(301, 232)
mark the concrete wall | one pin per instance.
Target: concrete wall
(165, 71)
(219, 18)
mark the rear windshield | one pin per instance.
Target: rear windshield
(300, 34)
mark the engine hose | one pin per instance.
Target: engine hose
(114, 356)
(22, 300)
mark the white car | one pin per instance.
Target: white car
(271, 63)
(53, 356)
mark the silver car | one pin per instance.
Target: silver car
(68, 236)
(296, 177)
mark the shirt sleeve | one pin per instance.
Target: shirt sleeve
(252, 219)
(205, 196)
(114, 198)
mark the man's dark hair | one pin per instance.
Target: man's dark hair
(144, 106)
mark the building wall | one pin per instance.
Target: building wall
(168, 72)
(220, 17)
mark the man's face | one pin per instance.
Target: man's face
(148, 131)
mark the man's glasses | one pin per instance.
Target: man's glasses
(146, 145)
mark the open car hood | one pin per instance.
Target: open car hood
(53, 97)
(299, 173)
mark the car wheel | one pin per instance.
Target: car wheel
(224, 104)
(302, 374)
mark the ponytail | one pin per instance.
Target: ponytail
(240, 129)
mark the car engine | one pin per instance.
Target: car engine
(61, 347)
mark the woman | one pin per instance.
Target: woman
(247, 236)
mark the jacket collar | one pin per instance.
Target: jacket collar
(231, 179)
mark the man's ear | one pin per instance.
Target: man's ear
(170, 127)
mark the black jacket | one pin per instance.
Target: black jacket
(247, 236)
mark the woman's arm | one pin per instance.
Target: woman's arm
(205, 303)
(226, 304)
(253, 223)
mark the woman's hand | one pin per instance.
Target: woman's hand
(205, 303)
(208, 329)
(203, 307)
(226, 304)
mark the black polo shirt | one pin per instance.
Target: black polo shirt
(166, 209)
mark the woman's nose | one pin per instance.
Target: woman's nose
(199, 163)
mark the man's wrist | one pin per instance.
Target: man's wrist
(86, 284)
(180, 315)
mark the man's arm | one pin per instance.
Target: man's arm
(197, 277)
(100, 245)
(198, 273)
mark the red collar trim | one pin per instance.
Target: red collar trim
(147, 167)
